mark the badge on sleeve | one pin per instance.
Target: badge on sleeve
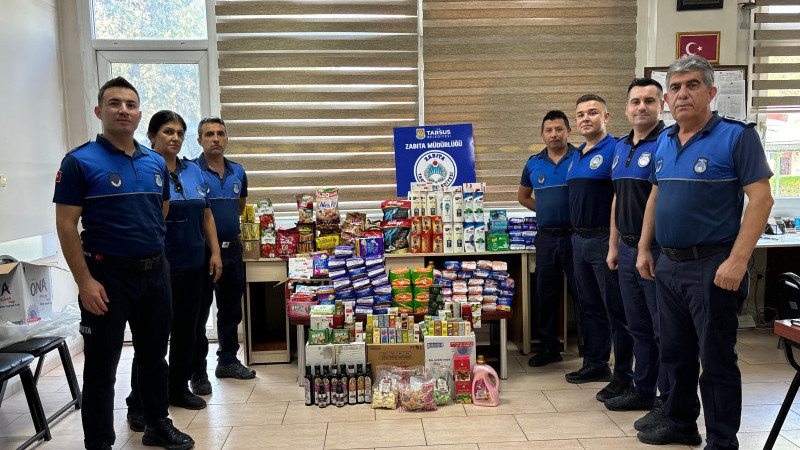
(540, 178)
(700, 165)
(644, 160)
(236, 188)
(115, 180)
(595, 162)
(659, 163)
(614, 164)
(159, 180)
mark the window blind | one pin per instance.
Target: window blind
(310, 91)
(502, 65)
(776, 56)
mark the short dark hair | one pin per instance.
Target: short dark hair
(589, 98)
(161, 118)
(555, 115)
(117, 82)
(644, 82)
(212, 119)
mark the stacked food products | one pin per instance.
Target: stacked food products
(409, 388)
(334, 324)
(257, 227)
(463, 377)
(391, 329)
(445, 325)
(338, 385)
(410, 288)
(485, 282)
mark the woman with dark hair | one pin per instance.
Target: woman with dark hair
(190, 226)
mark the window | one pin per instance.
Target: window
(150, 19)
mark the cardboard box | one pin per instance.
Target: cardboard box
(401, 355)
(251, 249)
(441, 349)
(25, 292)
(320, 355)
(352, 353)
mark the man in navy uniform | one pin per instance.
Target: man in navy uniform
(590, 195)
(226, 188)
(118, 189)
(704, 165)
(543, 189)
(630, 174)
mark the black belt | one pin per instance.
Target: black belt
(119, 262)
(556, 231)
(593, 232)
(696, 252)
(630, 240)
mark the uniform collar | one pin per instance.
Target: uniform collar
(546, 156)
(652, 136)
(603, 142)
(201, 161)
(180, 164)
(106, 144)
(707, 129)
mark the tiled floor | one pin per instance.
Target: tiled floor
(538, 410)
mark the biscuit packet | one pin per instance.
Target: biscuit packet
(328, 205)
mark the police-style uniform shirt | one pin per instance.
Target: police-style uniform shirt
(630, 174)
(121, 196)
(548, 180)
(223, 194)
(700, 196)
(185, 241)
(590, 189)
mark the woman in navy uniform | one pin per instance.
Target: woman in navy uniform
(189, 224)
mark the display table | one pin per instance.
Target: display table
(791, 338)
(490, 317)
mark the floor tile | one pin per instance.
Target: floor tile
(276, 392)
(792, 436)
(761, 355)
(299, 413)
(761, 418)
(458, 430)
(767, 373)
(449, 410)
(574, 400)
(757, 440)
(434, 447)
(351, 435)
(536, 381)
(230, 393)
(568, 425)
(309, 436)
(624, 443)
(571, 444)
(570, 363)
(514, 403)
(253, 414)
(765, 393)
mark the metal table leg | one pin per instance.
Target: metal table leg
(787, 402)
(301, 354)
(503, 350)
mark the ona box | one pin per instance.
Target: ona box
(25, 292)
(441, 349)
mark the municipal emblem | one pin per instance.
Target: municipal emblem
(595, 162)
(644, 160)
(614, 163)
(436, 167)
(236, 188)
(540, 178)
(659, 163)
(700, 165)
(115, 180)
(200, 190)
(420, 133)
(159, 180)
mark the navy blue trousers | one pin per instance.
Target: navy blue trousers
(602, 313)
(228, 289)
(700, 319)
(641, 312)
(143, 300)
(553, 261)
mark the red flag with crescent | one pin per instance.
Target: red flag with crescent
(704, 45)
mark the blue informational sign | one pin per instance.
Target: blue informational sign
(443, 155)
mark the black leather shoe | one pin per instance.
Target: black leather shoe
(652, 419)
(588, 375)
(200, 385)
(630, 401)
(544, 358)
(186, 399)
(235, 370)
(136, 420)
(614, 389)
(165, 435)
(663, 434)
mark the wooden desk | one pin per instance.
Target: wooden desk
(791, 338)
(489, 316)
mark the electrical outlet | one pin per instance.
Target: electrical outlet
(2, 180)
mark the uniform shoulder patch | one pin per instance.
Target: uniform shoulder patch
(80, 147)
(743, 122)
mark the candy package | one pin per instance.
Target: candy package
(305, 208)
(328, 204)
(287, 243)
(417, 394)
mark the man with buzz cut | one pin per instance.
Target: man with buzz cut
(630, 173)
(590, 196)
(118, 189)
(543, 189)
(704, 166)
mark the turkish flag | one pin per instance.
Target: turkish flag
(704, 45)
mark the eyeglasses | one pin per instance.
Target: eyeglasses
(177, 182)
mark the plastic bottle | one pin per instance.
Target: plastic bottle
(485, 384)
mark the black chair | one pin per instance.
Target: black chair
(11, 365)
(39, 347)
(787, 301)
